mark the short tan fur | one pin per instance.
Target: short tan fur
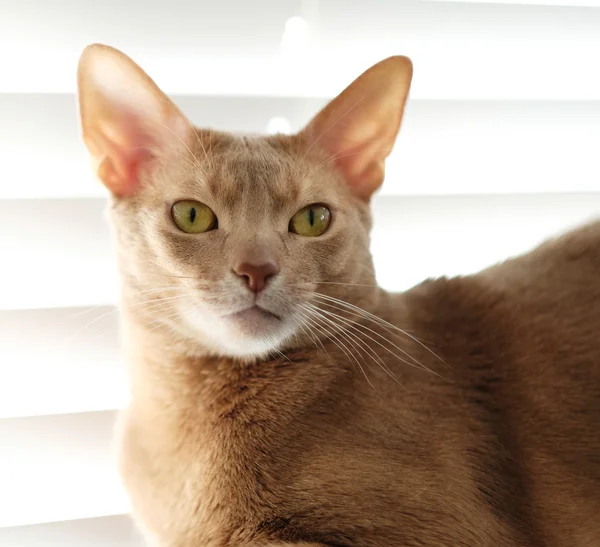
(279, 397)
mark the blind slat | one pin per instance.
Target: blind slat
(58, 468)
(62, 255)
(114, 531)
(564, 3)
(75, 364)
(461, 50)
(468, 147)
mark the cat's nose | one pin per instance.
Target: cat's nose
(256, 275)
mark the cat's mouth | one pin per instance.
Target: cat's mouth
(254, 313)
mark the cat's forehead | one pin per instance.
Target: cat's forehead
(258, 173)
(251, 171)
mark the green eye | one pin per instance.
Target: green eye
(193, 217)
(312, 221)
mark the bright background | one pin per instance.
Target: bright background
(499, 150)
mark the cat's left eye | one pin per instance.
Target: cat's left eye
(193, 217)
(311, 221)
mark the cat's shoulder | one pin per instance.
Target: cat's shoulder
(560, 265)
(564, 269)
(578, 244)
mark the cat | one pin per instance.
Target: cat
(278, 395)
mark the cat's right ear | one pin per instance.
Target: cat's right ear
(126, 120)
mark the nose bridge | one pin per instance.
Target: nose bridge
(255, 246)
(255, 230)
(256, 260)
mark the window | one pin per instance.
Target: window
(498, 151)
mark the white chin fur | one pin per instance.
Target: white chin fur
(222, 336)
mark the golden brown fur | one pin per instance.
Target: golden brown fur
(478, 424)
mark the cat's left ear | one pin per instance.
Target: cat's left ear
(126, 120)
(358, 128)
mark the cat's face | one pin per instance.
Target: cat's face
(228, 241)
(244, 286)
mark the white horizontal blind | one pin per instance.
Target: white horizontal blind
(475, 51)
(445, 147)
(568, 3)
(497, 152)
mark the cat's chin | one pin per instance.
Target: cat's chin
(250, 333)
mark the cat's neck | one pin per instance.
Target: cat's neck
(162, 364)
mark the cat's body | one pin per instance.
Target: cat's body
(501, 449)
(279, 397)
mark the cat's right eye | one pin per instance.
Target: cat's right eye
(193, 217)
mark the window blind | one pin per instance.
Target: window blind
(497, 152)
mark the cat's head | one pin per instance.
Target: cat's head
(231, 242)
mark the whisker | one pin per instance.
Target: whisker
(350, 354)
(89, 310)
(161, 321)
(373, 353)
(381, 321)
(363, 345)
(351, 324)
(162, 288)
(327, 333)
(311, 336)
(159, 309)
(94, 321)
(155, 301)
(358, 313)
(282, 355)
(150, 274)
(346, 284)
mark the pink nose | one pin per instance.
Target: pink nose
(256, 275)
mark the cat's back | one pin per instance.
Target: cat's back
(522, 340)
(543, 303)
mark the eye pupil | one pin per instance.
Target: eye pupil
(311, 221)
(193, 217)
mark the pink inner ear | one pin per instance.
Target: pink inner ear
(358, 128)
(360, 158)
(122, 175)
(125, 147)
